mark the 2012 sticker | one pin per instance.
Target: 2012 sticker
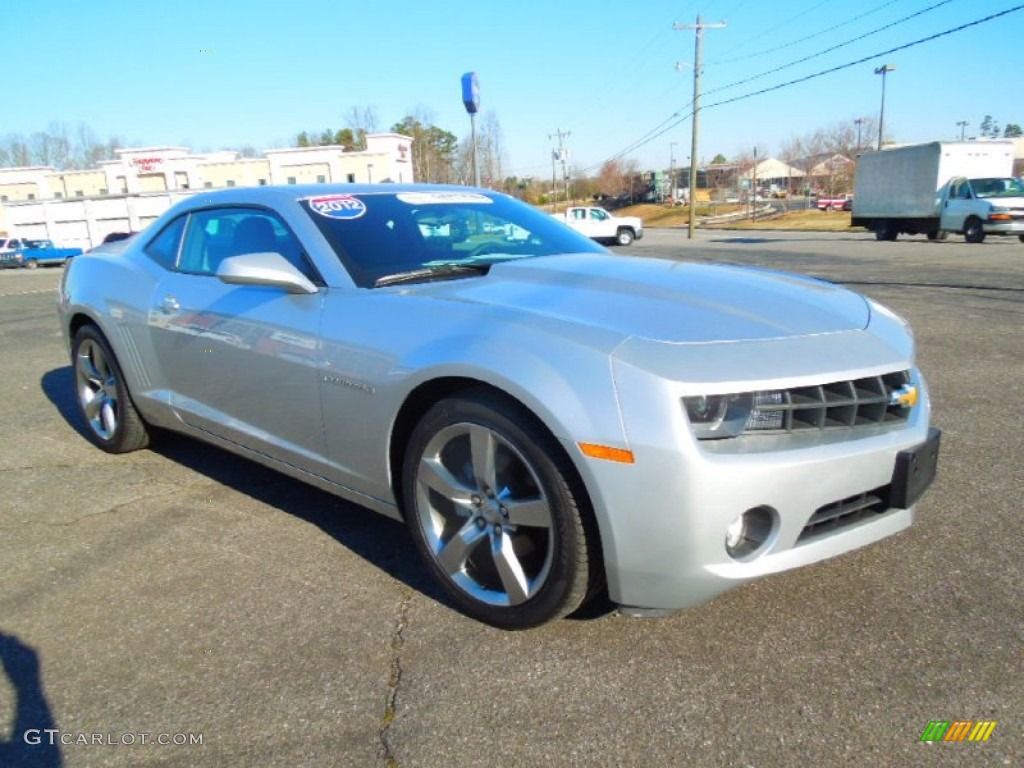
(338, 206)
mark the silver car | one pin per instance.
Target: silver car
(549, 420)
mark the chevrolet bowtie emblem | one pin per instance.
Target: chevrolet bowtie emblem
(905, 396)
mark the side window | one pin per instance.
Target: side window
(163, 248)
(220, 233)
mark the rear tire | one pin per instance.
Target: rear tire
(938, 234)
(974, 232)
(1021, 238)
(31, 264)
(624, 237)
(102, 396)
(886, 230)
(494, 510)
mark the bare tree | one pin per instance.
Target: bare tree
(792, 152)
(362, 120)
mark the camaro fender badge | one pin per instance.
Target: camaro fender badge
(337, 380)
(905, 396)
(338, 206)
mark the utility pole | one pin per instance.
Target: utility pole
(963, 126)
(672, 170)
(699, 28)
(859, 121)
(560, 154)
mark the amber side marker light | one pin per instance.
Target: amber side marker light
(595, 451)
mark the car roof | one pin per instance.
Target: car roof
(292, 192)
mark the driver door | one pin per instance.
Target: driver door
(240, 361)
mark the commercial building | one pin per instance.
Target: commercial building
(79, 208)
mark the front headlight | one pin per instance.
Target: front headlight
(716, 416)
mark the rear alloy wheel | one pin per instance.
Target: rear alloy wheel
(624, 237)
(974, 232)
(102, 395)
(489, 500)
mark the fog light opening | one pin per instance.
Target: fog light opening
(749, 533)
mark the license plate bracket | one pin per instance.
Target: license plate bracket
(915, 471)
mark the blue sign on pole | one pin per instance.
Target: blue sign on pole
(471, 92)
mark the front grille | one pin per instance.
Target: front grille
(851, 403)
(846, 512)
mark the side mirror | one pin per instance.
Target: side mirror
(270, 269)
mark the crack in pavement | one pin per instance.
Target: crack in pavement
(394, 679)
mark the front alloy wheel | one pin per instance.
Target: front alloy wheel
(492, 510)
(102, 396)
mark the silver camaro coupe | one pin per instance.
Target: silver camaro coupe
(547, 418)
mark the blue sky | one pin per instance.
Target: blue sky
(225, 73)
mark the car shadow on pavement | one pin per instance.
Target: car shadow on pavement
(380, 540)
(32, 743)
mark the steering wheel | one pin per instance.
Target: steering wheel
(489, 246)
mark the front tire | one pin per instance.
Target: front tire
(974, 232)
(493, 509)
(624, 237)
(102, 395)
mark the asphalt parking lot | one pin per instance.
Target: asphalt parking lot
(182, 592)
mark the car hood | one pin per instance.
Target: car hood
(661, 300)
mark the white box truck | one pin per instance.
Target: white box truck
(937, 188)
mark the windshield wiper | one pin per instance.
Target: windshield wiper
(436, 272)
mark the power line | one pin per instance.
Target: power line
(651, 135)
(903, 47)
(791, 43)
(829, 50)
(786, 23)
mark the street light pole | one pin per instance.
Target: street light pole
(963, 126)
(883, 71)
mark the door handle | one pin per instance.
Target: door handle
(169, 305)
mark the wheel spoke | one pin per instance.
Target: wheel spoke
(109, 416)
(510, 570)
(530, 512)
(436, 476)
(93, 404)
(453, 555)
(87, 367)
(482, 448)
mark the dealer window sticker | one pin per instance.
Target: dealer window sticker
(439, 198)
(338, 206)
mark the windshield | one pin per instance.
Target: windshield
(382, 234)
(997, 187)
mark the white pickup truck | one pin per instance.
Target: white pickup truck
(598, 224)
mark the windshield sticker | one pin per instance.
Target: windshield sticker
(338, 206)
(434, 198)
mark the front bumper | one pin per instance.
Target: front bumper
(664, 518)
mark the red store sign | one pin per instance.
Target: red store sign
(145, 164)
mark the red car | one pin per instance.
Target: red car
(839, 203)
